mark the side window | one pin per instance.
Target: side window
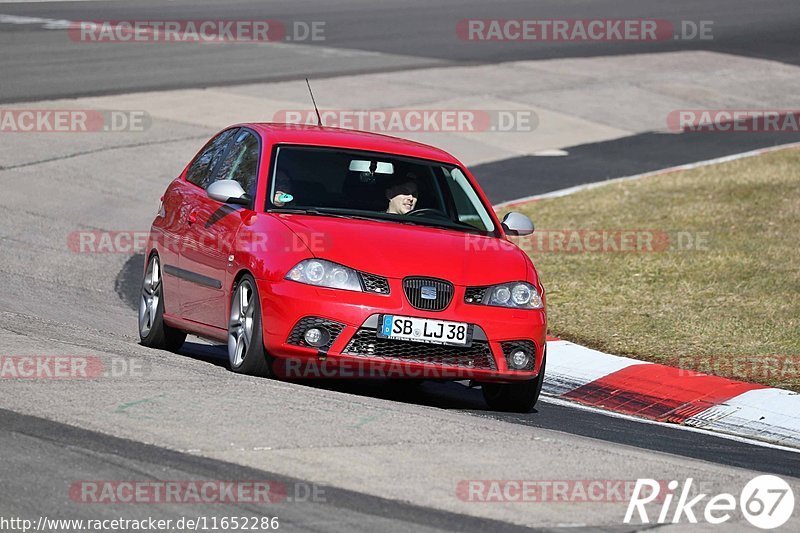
(200, 171)
(241, 162)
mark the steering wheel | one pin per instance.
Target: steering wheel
(429, 211)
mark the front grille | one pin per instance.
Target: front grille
(366, 343)
(474, 295)
(416, 288)
(509, 347)
(373, 283)
(296, 336)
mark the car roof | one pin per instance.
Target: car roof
(303, 134)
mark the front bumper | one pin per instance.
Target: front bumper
(355, 351)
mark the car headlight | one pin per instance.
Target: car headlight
(324, 273)
(518, 295)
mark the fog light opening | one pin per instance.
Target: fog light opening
(316, 337)
(519, 359)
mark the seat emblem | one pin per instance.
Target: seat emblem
(427, 292)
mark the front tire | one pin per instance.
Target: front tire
(514, 397)
(153, 332)
(246, 352)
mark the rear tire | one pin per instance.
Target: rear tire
(246, 353)
(153, 332)
(514, 397)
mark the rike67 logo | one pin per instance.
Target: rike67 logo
(766, 502)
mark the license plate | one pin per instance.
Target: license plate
(428, 330)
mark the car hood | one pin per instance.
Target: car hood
(398, 250)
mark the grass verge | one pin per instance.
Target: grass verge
(714, 285)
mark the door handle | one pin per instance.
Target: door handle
(192, 217)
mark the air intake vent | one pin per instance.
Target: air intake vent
(474, 295)
(373, 283)
(366, 344)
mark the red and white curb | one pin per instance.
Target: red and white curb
(668, 394)
(663, 393)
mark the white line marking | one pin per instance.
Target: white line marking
(687, 166)
(48, 24)
(317, 51)
(550, 153)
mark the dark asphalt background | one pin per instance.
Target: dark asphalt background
(519, 177)
(43, 459)
(38, 63)
(33, 58)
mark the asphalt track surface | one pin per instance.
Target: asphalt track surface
(408, 34)
(588, 423)
(70, 453)
(41, 457)
(361, 38)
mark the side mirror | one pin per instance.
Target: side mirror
(517, 224)
(228, 192)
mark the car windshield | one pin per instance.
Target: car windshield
(349, 183)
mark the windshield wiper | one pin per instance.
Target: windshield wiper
(325, 213)
(301, 211)
(380, 217)
(453, 225)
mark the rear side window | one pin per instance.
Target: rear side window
(201, 169)
(241, 161)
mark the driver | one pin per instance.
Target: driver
(402, 194)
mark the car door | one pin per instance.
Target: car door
(168, 231)
(211, 235)
(178, 204)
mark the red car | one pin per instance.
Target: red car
(321, 252)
